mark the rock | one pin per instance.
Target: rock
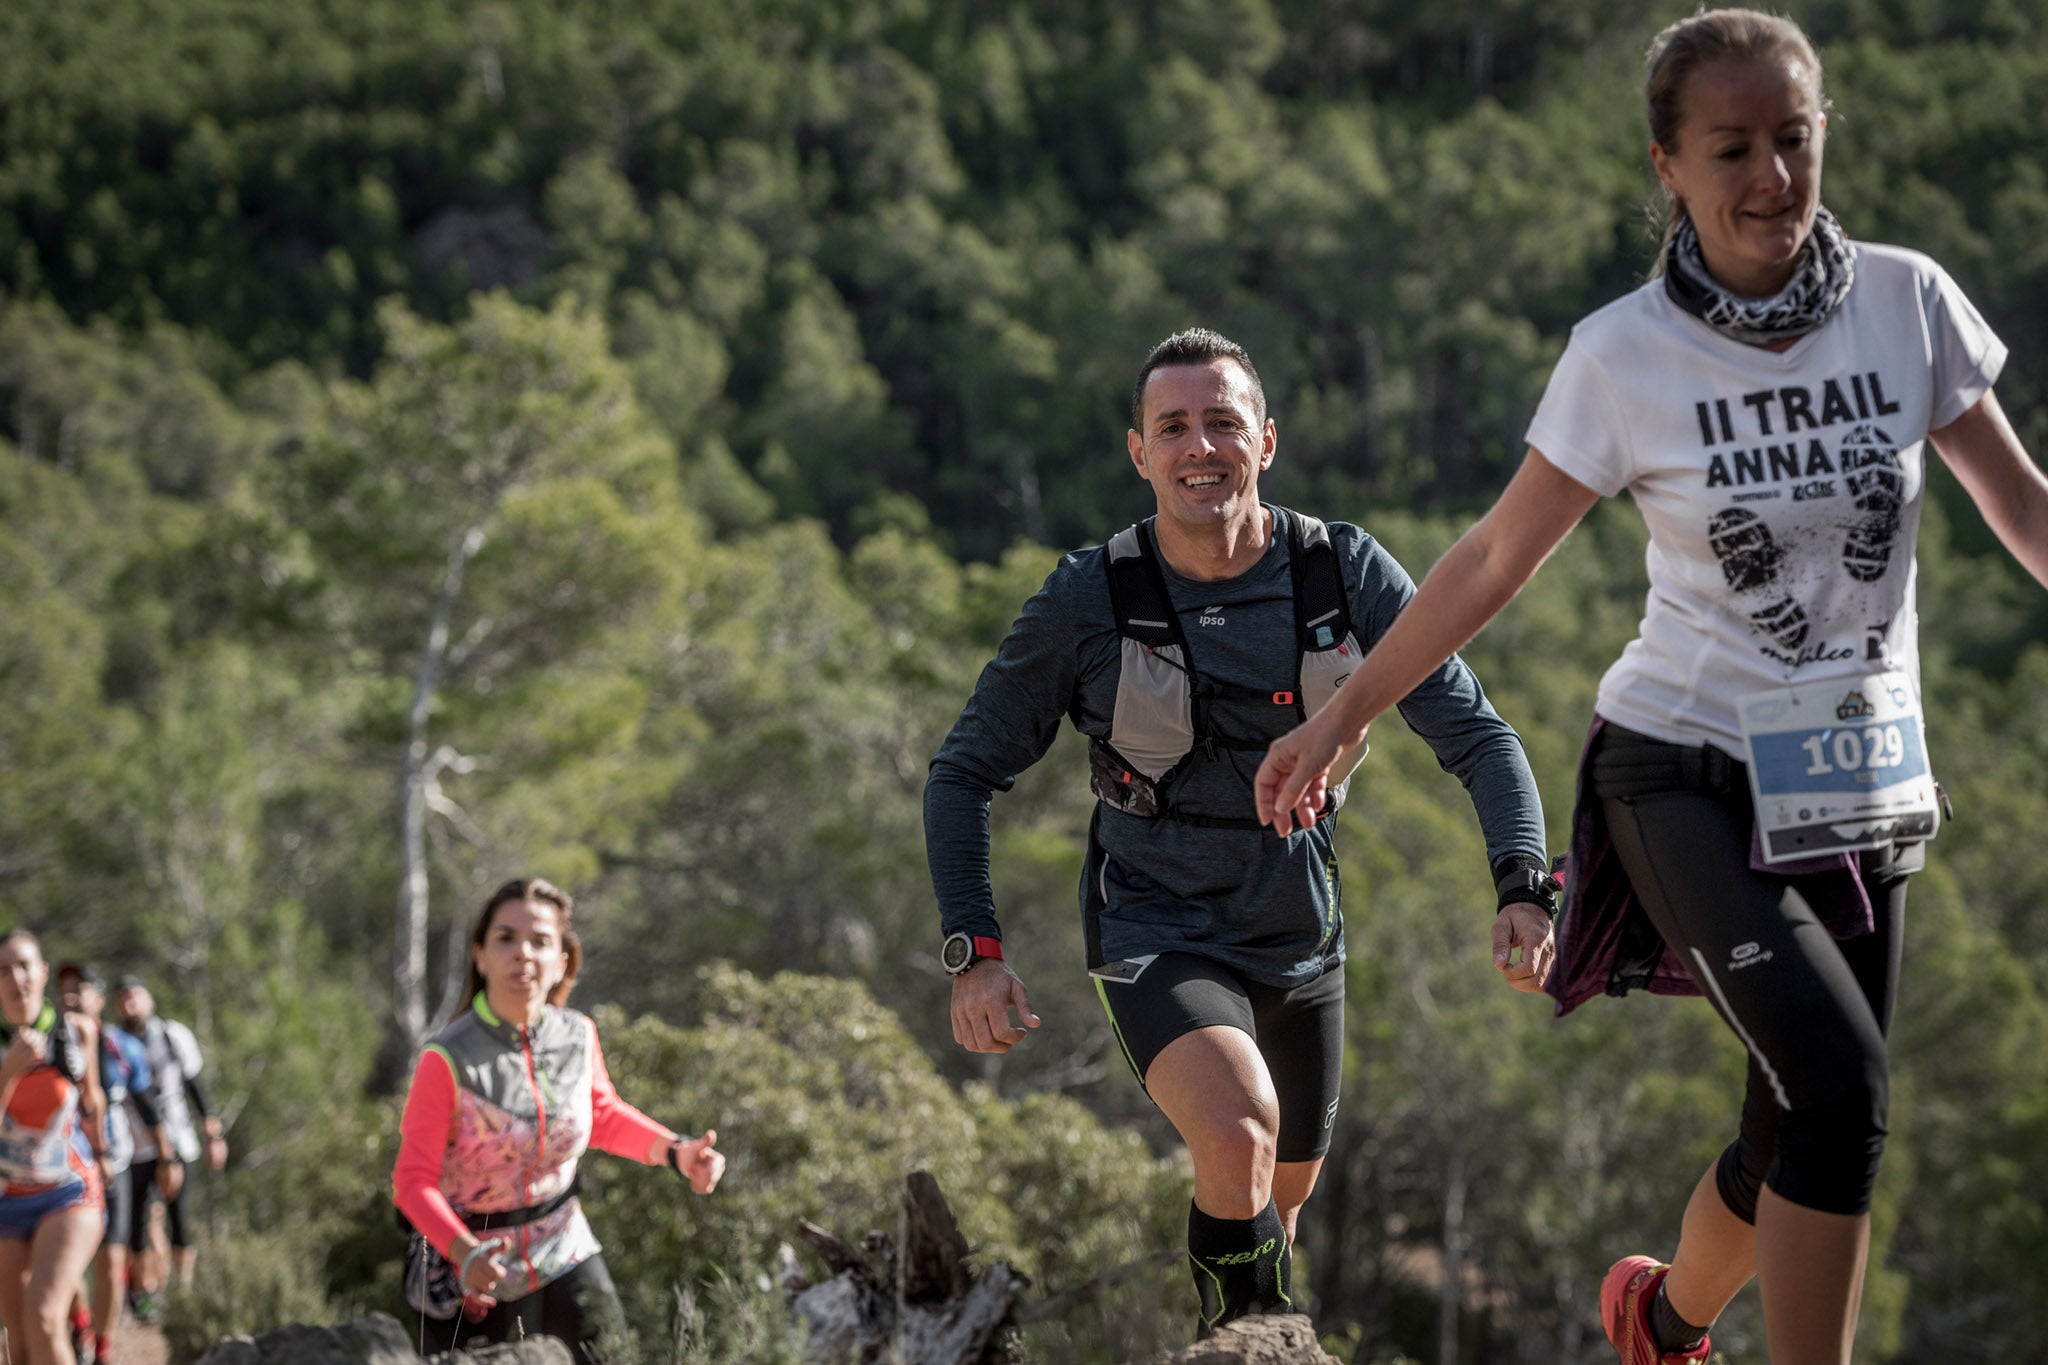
(1270, 1339)
(378, 1339)
(534, 1351)
(373, 1340)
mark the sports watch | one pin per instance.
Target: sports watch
(961, 951)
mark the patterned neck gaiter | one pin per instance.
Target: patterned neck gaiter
(1826, 269)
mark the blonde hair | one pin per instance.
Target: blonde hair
(1709, 36)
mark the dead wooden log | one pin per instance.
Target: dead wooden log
(908, 1300)
(837, 1254)
(934, 1265)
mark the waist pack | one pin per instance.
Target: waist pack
(432, 1286)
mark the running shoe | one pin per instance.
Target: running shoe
(145, 1307)
(1625, 1297)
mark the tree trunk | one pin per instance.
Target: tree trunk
(1479, 59)
(1454, 1261)
(414, 777)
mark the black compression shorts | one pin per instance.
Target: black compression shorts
(1299, 1031)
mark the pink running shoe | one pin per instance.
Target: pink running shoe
(1625, 1297)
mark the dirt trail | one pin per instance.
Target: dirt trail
(135, 1344)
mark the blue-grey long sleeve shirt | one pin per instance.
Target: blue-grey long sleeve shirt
(1261, 904)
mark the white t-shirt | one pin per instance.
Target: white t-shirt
(1782, 489)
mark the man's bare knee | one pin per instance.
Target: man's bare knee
(1244, 1142)
(1233, 1158)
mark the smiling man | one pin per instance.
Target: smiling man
(1181, 648)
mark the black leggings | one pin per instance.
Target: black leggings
(580, 1308)
(1813, 1011)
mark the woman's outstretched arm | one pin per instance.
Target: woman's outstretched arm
(2009, 488)
(1476, 578)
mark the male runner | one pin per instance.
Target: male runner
(1182, 648)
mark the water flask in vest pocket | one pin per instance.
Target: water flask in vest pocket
(1114, 780)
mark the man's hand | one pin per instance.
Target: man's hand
(216, 1145)
(1293, 783)
(170, 1174)
(983, 997)
(1527, 927)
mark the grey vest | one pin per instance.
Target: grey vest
(522, 1107)
(1168, 717)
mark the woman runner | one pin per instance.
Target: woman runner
(1768, 402)
(52, 1200)
(505, 1100)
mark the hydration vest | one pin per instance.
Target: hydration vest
(63, 1052)
(1166, 713)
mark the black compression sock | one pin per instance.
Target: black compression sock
(1240, 1265)
(1670, 1331)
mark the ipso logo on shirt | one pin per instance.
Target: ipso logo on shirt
(1212, 616)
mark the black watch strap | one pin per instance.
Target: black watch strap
(1527, 884)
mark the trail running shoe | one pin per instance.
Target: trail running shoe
(145, 1307)
(1625, 1297)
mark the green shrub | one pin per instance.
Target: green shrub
(824, 1103)
(246, 1283)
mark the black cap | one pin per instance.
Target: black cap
(128, 980)
(88, 974)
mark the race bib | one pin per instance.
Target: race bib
(1838, 766)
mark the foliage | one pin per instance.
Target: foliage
(882, 245)
(823, 1103)
(732, 1320)
(249, 1282)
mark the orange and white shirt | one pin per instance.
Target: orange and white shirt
(42, 1143)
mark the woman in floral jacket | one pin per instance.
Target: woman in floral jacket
(505, 1100)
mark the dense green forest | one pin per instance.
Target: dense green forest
(446, 441)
